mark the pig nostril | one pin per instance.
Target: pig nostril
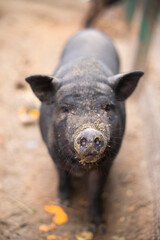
(83, 142)
(97, 141)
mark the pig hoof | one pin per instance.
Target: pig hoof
(92, 228)
(64, 202)
(102, 228)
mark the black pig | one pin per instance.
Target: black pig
(82, 118)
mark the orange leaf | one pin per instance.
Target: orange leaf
(34, 113)
(22, 110)
(51, 237)
(84, 236)
(43, 228)
(131, 208)
(1, 140)
(60, 217)
(46, 228)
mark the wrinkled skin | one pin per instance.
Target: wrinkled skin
(82, 116)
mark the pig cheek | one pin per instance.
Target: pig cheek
(69, 131)
(62, 127)
(114, 128)
(106, 121)
(110, 119)
(56, 134)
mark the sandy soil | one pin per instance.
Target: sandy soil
(33, 34)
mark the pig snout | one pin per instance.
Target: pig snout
(90, 145)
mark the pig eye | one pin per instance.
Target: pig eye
(65, 109)
(107, 107)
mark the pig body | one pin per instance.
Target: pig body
(82, 116)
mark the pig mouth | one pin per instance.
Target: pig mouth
(89, 159)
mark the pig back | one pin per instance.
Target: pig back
(93, 44)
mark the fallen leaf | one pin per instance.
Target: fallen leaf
(131, 208)
(84, 236)
(28, 116)
(22, 110)
(83, 203)
(20, 85)
(118, 238)
(122, 219)
(51, 237)
(46, 228)
(34, 113)
(1, 140)
(129, 179)
(43, 228)
(129, 193)
(54, 237)
(60, 217)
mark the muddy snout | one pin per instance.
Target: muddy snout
(90, 145)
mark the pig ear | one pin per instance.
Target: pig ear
(125, 83)
(43, 87)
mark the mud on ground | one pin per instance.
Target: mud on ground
(33, 34)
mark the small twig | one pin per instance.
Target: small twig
(23, 206)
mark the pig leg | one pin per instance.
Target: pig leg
(64, 187)
(96, 183)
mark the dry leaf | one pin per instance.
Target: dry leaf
(122, 219)
(51, 237)
(20, 85)
(131, 208)
(1, 140)
(34, 113)
(129, 193)
(118, 238)
(60, 217)
(46, 228)
(43, 228)
(54, 237)
(22, 110)
(28, 116)
(83, 203)
(84, 236)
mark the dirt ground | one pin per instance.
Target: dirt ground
(32, 37)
